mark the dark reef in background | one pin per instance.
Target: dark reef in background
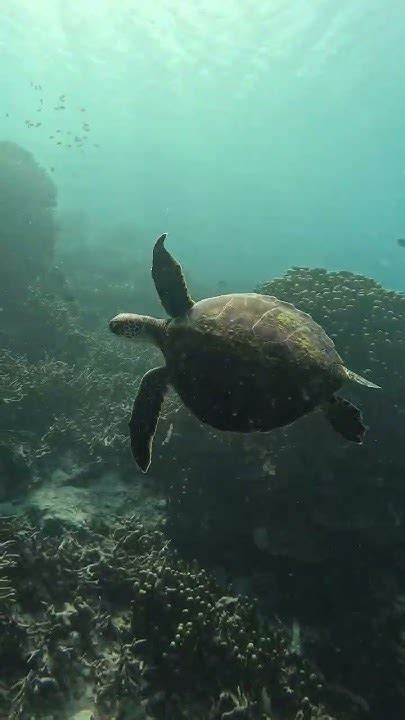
(27, 222)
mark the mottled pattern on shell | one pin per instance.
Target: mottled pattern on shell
(248, 362)
(276, 328)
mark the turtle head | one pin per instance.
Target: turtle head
(137, 327)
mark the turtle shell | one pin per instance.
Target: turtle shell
(249, 362)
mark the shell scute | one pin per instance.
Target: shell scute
(274, 327)
(250, 362)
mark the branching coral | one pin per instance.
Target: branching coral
(117, 610)
(7, 562)
(53, 405)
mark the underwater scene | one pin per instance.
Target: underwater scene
(202, 360)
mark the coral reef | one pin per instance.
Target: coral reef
(112, 621)
(350, 489)
(27, 223)
(51, 406)
(311, 522)
(315, 532)
(42, 325)
(338, 488)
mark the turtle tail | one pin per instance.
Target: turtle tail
(169, 281)
(360, 380)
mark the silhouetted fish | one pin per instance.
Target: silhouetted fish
(401, 242)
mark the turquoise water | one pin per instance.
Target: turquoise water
(263, 136)
(259, 134)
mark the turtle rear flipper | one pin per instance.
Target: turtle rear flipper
(346, 419)
(145, 415)
(169, 281)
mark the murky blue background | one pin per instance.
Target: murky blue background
(259, 134)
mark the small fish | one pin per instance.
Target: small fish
(52, 169)
(59, 142)
(268, 467)
(401, 242)
(51, 137)
(82, 109)
(296, 639)
(7, 115)
(38, 125)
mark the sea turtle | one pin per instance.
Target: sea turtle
(240, 362)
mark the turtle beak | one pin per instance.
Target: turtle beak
(114, 325)
(126, 324)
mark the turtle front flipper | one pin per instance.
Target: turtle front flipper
(145, 415)
(345, 418)
(169, 281)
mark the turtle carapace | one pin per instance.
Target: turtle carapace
(240, 362)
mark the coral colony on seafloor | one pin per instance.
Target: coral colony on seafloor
(112, 619)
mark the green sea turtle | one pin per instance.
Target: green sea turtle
(240, 362)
